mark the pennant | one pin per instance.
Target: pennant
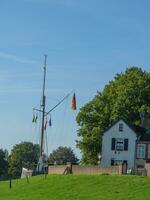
(73, 103)
(33, 119)
(45, 125)
(36, 117)
(50, 122)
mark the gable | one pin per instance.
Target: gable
(115, 130)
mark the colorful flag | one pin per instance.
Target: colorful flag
(73, 103)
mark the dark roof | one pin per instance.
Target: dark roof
(139, 130)
(142, 133)
(145, 137)
(145, 122)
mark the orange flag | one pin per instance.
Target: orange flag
(73, 103)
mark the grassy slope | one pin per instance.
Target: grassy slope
(78, 188)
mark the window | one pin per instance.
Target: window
(118, 162)
(119, 144)
(141, 151)
(148, 131)
(120, 127)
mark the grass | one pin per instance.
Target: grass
(71, 187)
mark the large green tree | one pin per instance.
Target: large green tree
(26, 155)
(3, 164)
(62, 155)
(124, 97)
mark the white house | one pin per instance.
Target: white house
(125, 143)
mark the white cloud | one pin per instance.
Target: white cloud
(17, 58)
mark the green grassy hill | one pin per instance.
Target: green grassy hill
(102, 187)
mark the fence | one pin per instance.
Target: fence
(78, 169)
(147, 167)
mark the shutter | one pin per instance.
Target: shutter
(112, 162)
(125, 144)
(113, 142)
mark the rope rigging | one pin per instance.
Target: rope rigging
(48, 116)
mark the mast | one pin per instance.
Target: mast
(41, 163)
(43, 109)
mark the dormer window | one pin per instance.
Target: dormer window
(148, 131)
(120, 127)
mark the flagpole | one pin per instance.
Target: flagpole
(40, 166)
(43, 109)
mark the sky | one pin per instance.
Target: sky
(87, 43)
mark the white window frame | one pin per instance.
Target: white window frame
(119, 144)
(141, 150)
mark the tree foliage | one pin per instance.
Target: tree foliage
(26, 155)
(124, 97)
(3, 163)
(62, 155)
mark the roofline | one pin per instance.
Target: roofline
(127, 123)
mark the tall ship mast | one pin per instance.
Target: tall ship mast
(43, 108)
(42, 163)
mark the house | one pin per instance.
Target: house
(125, 143)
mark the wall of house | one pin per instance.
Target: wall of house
(108, 154)
(140, 162)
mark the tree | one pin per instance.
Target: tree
(62, 155)
(3, 163)
(26, 155)
(124, 97)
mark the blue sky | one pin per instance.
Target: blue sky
(87, 42)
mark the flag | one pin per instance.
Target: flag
(73, 103)
(45, 125)
(36, 117)
(50, 122)
(33, 119)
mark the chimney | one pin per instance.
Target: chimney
(145, 122)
